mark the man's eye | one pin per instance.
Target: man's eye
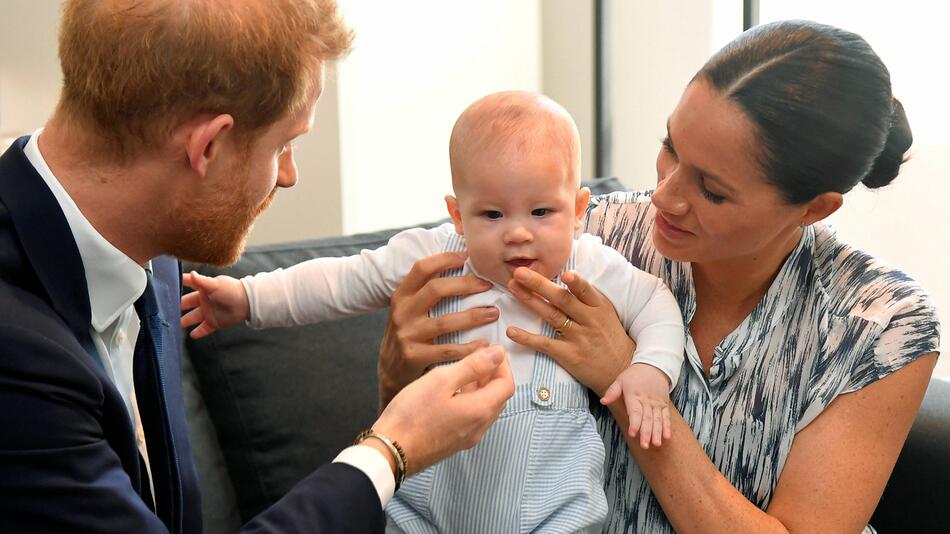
(540, 212)
(491, 214)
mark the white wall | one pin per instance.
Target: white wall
(568, 66)
(416, 65)
(29, 68)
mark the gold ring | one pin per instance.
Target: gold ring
(567, 324)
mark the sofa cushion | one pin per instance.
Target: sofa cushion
(286, 400)
(918, 492)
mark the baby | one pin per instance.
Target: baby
(515, 160)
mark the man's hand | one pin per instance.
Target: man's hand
(215, 303)
(449, 408)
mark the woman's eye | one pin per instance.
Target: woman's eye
(668, 145)
(540, 212)
(492, 214)
(709, 195)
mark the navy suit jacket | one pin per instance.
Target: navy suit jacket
(68, 457)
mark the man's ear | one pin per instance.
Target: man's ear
(203, 140)
(821, 207)
(581, 200)
(452, 204)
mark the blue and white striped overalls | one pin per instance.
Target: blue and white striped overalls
(539, 468)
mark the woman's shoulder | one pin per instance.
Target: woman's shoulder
(860, 285)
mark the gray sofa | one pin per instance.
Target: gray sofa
(268, 407)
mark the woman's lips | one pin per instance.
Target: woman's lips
(670, 231)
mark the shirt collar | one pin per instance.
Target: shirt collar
(113, 279)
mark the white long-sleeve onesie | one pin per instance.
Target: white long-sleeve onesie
(331, 288)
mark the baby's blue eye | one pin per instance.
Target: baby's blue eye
(492, 214)
(540, 212)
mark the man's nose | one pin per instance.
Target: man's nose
(287, 168)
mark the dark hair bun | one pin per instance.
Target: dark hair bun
(888, 162)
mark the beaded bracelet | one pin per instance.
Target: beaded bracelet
(394, 448)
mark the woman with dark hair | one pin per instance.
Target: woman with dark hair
(806, 359)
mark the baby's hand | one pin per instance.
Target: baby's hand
(215, 303)
(645, 390)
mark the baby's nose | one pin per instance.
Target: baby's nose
(518, 233)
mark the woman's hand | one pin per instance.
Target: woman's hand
(408, 345)
(592, 345)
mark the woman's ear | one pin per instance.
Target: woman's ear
(581, 201)
(453, 206)
(821, 207)
(203, 139)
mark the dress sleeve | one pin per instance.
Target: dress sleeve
(913, 330)
(645, 305)
(322, 289)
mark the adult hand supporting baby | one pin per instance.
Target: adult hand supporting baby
(408, 348)
(448, 409)
(595, 347)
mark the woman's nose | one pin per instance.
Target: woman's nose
(668, 195)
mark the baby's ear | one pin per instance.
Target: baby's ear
(581, 200)
(452, 204)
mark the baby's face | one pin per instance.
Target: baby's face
(517, 211)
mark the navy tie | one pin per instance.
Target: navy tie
(150, 397)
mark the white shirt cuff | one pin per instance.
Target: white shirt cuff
(376, 467)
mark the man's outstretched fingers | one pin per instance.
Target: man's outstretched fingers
(476, 366)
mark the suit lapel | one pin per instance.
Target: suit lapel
(47, 241)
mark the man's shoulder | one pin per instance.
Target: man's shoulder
(25, 317)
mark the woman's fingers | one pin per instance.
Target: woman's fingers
(433, 327)
(582, 289)
(565, 300)
(424, 269)
(537, 342)
(547, 311)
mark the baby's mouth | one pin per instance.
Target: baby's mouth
(520, 262)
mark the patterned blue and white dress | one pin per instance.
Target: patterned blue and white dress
(834, 320)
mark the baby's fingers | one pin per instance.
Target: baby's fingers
(203, 330)
(646, 426)
(191, 318)
(658, 427)
(191, 300)
(635, 412)
(612, 394)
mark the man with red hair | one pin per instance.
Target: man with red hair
(173, 132)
